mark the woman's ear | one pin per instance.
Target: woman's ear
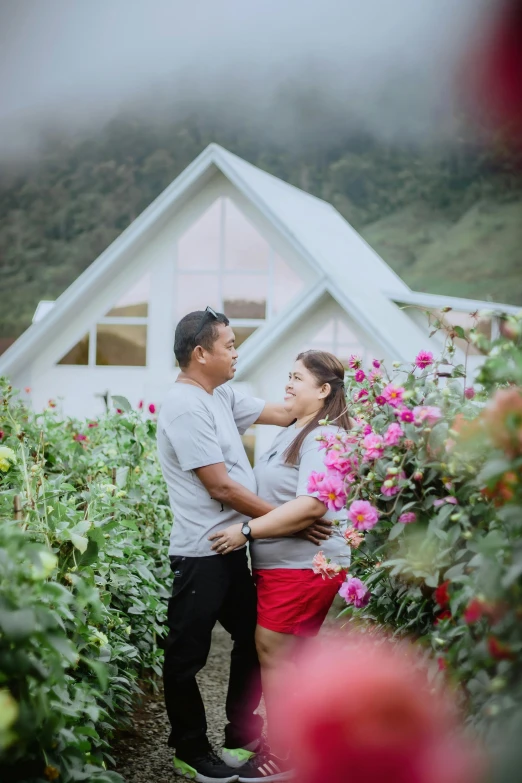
(324, 391)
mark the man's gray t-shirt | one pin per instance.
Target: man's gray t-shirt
(197, 429)
(277, 483)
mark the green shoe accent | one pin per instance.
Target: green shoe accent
(239, 753)
(183, 768)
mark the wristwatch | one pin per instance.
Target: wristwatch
(247, 532)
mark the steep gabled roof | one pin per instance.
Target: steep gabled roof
(312, 227)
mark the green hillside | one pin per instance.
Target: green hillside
(446, 219)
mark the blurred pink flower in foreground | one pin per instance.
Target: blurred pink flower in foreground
(357, 711)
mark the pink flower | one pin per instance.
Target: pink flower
(376, 363)
(375, 375)
(354, 362)
(363, 515)
(326, 441)
(152, 408)
(51, 404)
(2, 433)
(393, 395)
(338, 462)
(391, 485)
(373, 445)
(330, 491)
(361, 394)
(92, 424)
(406, 415)
(140, 405)
(418, 475)
(359, 376)
(448, 499)
(119, 410)
(393, 435)
(380, 400)
(469, 392)
(314, 480)
(79, 437)
(353, 537)
(424, 359)
(408, 517)
(367, 429)
(354, 592)
(27, 389)
(322, 565)
(428, 414)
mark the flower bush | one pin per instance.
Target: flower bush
(438, 501)
(83, 576)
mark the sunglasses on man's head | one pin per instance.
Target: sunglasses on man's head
(209, 313)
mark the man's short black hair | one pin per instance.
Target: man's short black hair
(197, 328)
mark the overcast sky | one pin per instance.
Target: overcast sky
(387, 65)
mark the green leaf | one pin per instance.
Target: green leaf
(18, 624)
(100, 670)
(396, 530)
(122, 403)
(80, 542)
(492, 469)
(459, 331)
(512, 574)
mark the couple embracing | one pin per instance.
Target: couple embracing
(220, 504)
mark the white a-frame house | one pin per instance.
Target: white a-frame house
(285, 267)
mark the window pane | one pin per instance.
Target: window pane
(242, 333)
(287, 284)
(244, 296)
(135, 302)
(79, 354)
(195, 292)
(121, 345)
(245, 248)
(199, 247)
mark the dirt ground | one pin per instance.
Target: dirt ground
(142, 755)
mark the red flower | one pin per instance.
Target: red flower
(442, 596)
(2, 433)
(92, 424)
(152, 408)
(444, 615)
(79, 437)
(140, 405)
(441, 663)
(498, 650)
(119, 410)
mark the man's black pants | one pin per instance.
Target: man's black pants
(205, 590)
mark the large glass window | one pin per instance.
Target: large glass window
(119, 339)
(224, 262)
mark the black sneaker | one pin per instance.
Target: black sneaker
(264, 766)
(205, 768)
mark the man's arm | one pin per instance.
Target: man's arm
(221, 487)
(274, 413)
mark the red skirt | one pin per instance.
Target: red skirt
(294, 600)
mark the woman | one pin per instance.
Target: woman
(293, 600)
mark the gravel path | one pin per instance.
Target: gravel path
(142, 755)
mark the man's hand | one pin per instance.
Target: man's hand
(317, 532)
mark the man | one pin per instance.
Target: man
(211, 485)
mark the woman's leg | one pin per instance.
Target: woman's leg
(275, 651)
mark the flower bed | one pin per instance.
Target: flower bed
(83, 578)
(431, 475)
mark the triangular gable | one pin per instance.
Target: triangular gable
(312, 227)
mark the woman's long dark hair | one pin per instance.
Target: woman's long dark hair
(326, 368)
